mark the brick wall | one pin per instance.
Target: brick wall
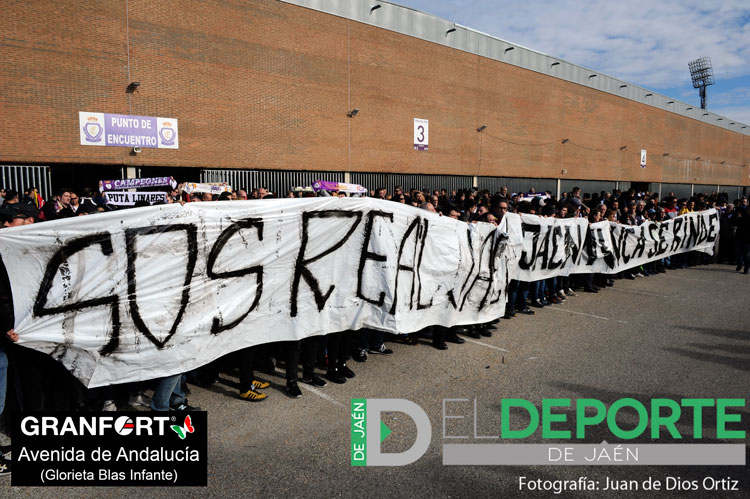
(263, 84)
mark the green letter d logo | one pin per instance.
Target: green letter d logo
(374, 428)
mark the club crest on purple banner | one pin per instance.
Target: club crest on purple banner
(167, 134)
(93, 129)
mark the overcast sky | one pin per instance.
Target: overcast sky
(645, 42)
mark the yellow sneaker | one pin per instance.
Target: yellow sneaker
(253, 396)
(260, 385)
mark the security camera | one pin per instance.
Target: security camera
(136, 150)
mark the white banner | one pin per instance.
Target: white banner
(150, 292)
(130, 198)
(154, 291)
(191, 187)
(552, 246)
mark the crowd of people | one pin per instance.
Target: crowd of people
(39, 383)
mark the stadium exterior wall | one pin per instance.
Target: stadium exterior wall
(267, 85)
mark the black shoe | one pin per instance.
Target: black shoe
(292, 389)
(459, 330)
(739, 267)
(527, 311)
(591, 290)
(315, 380)
(473, 333)
(536, 303)
(610, 283)
(360, 356)
(346, 371)
(335, 376)
(184, 406)
(487, 333)
(4, 466)
(440, 346)
(381, 351)
(456, 339)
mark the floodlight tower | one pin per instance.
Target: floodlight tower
(703, 75)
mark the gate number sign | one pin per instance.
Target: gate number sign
(421, 134)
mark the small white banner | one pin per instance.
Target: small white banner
(130, 198)
(643, 158)
(192, 187)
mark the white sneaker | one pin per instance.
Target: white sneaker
(109, 406)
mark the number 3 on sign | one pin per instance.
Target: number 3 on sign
(421, 134)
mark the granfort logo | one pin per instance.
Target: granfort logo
(124, 425)
(33, 426)
(105, 448)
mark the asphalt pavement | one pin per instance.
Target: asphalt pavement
(683, 334)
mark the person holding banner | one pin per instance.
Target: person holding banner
(169, 395)
(249, 386)
(7, 323)
(742, 238)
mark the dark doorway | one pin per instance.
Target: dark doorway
(640, 186)
(79, 177)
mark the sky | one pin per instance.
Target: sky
(647, 43)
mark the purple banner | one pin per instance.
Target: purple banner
(122, 130)
(136, 183)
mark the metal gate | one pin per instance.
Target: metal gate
(275, 181)
(19, 178)
(389, 181)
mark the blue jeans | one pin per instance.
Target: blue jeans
(523, 294)
(542, 289)
(168, 392)
(512, 296)
(534, 289)
(3, 378)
